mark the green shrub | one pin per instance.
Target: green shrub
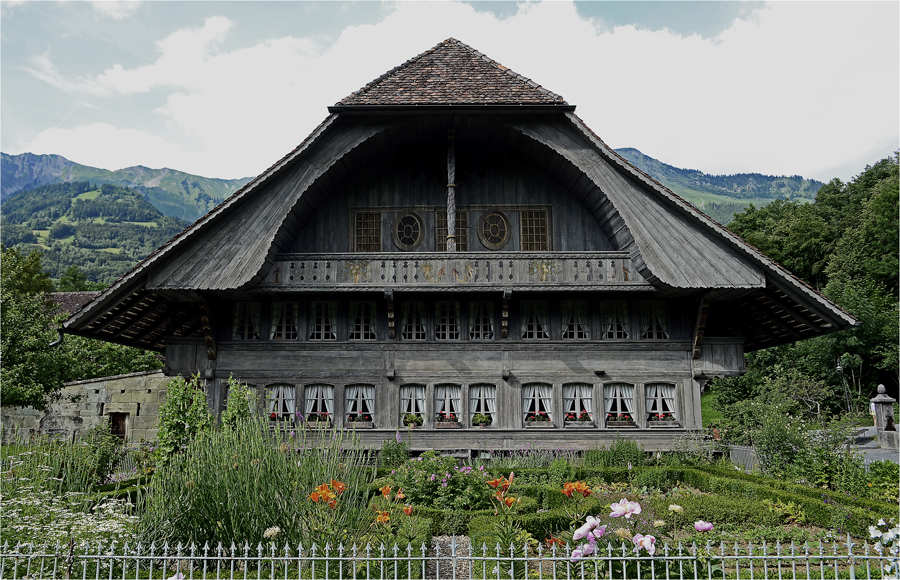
(240, 405)
(393, 453)
(430, 480)
(622, 453)
(183, 415)
(104, 451)
(561, 471)
(883, 478)
(656, 478)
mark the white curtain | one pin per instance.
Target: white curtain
(449, 395)
(609, 397)
(482, 394)
(487, 392)
(528, 400)
(281, 399)
(569, 398)
(311, 395)
(289, 400)
(650, 396)
(412, 399)
(662, 317)
(627, 396)
(622, 393)
(668, 396)
(545, 392)
(326, 392)
(586, 394)
(541, 318)
(246, 321)
(360, 399)
(404, 317)
(332, 319)
(582, 317)
(278, 322)
(356, 326)
(352, 399)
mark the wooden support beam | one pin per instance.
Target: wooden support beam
(504, 315)
(451, 191)
(159, 308)
(790, 309)
(208, 338)
(115, 313)
(700, 326)
(392, 327)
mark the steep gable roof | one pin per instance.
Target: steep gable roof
(451, 73)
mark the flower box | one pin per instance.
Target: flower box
(579, 424)
(447, 425)
(620, 424)
(538, 424)
(317, 424)
(359, 425)
(663, 424)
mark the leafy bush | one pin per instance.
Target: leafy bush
(561, 471)
(430, 480)
(182, 416)
(240, 405)
(883, 478)
(104, 451)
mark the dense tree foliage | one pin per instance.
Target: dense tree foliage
(845, 245)
(32, 369)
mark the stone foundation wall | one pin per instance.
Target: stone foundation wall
(84, 404)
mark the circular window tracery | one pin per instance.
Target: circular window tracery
(408, 231)
(493, 230)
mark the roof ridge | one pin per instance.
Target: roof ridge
(368, 87)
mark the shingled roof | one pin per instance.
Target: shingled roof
(451, 73)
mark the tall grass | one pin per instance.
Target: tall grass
(233, 484)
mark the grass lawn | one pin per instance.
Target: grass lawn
(707, 413)
(88, 195)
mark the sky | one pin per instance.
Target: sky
(225, 89)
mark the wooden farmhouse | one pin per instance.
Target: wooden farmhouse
(453, 245)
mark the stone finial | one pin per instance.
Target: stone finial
(881, 390)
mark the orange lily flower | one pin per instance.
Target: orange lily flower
(407, 510)
(314, 496)
(385, 491)
(568, 488)
(400, 494)
(510, 501)
(496, 482)
(383, 518)
(338, 486)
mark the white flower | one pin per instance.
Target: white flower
(271, 532)
(881, 522)
(874, 532)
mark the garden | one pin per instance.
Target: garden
(313, 503)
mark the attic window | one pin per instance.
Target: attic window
(534, 233)
(322, 320)
(367, 232)
(654, 319)
(493, 229)
(246, 321)
(440, 231)
(408, 232)
(284, 321)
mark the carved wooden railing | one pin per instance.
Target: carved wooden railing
(460, 271)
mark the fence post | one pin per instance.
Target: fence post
(883, 408)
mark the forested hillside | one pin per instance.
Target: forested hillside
(721, 196)
(103, 231)
(174, 193)
(845, 245)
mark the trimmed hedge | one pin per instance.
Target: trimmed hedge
(453, 522)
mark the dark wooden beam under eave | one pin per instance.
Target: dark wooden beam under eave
(765, 306)
(700, 326)
(782, 301)
(115, 313)
(155, 310)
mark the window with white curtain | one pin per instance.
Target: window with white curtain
(412, 321)
(578, 399)
(446, 320)
(481, 320)
(654, 319)
(412, 400)
(281, 402)
(318, 400)
(285, 317)
(534, 319)
(618, 401)
(446, 402)
(537, 401)
(246, 321)
(660, 398)
(613, 319)
(360, 402)
(362, 321)
(576, 320)
(481, 401)
(322, 320)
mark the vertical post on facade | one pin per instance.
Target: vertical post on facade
(451, 192)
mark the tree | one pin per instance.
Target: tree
(74, 280)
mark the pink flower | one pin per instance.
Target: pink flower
(646, 542)
(702, 526)
(576, 555)
(586, 529)
(624, 508)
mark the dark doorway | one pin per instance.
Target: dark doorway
(117, 424)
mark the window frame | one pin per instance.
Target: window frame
(250, 314)
(329, 307)
(438, 318)
(652, 403)
(364, 331)
(447, 402)
(412, 397)
(480, 405)
(578, 401)
(655, 320)
(528, 239)
(283, 322)
(367, 240)
(528, 310)
(619, 401)
(359, 400)
(281, 400)
(476, 330)
(537, 404)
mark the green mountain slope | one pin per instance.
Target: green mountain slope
(174, 193)
(104, 231)
(721, 196)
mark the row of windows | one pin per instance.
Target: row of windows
(312, 402)
(453, 320)
(493, 230)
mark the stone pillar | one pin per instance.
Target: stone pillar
(883, 407)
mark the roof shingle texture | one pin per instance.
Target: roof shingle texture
(452, 73)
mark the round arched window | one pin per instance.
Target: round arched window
(493, 229)
(408, 231)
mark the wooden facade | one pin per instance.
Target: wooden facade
(573, 299)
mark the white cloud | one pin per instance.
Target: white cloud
(115, 9)
(797, 88)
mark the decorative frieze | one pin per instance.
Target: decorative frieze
(453, 271)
